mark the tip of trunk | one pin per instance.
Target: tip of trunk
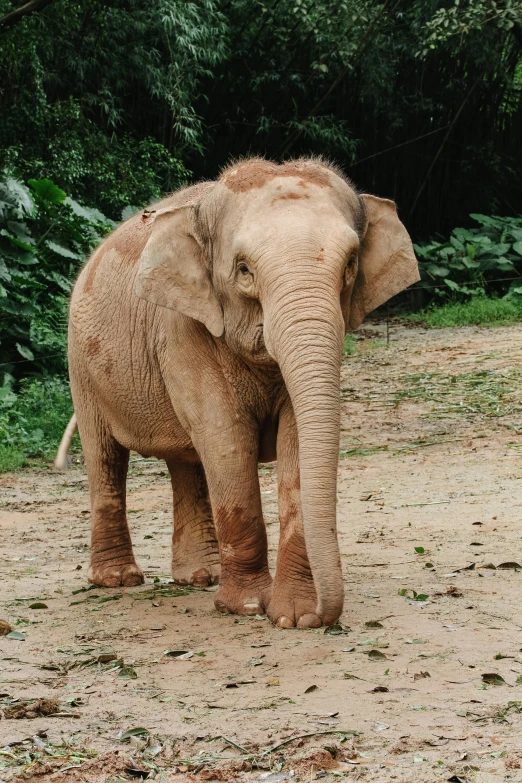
(330, 594)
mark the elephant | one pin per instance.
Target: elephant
(208, 332)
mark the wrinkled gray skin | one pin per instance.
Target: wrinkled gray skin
(208, 332)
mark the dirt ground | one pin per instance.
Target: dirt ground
(418, 683)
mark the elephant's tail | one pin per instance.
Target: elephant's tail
(62, 460)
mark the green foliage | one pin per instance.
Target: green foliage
(108, 171)
(11, 458)
(413, 107)
(485, 259)
(44, 237)
(102, 112)
(114, 175)
(479, 310)
(417, 99)
(350, 345)
(467, 16)
(32, 422)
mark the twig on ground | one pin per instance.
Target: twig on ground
(233, 744)
(304, 736)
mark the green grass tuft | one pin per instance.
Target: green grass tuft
(11, 458)
(477, 311)
(350, 345)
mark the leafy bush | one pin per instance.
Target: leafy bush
(118, 173)
(474, 260)
(110, 171)
(44, 238)
(32, 422)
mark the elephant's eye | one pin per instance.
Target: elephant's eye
(351, 260)
(243, 269)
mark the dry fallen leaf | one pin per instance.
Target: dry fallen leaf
(376, 655)
(492, 678)
(237, 683)
(180, 655)
(458, 682)
(20, 637)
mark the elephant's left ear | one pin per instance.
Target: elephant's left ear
(173, 270)
(387, 263)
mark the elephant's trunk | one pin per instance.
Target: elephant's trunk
(304, 334)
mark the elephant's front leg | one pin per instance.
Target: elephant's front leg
(230, 462)
(294, 599)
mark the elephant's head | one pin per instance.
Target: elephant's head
(279, 261)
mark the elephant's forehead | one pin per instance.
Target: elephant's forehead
(255, 174)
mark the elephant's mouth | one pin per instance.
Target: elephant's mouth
(259, 340)
(258, 352)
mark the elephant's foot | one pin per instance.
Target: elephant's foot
(196, 565)
(248, 596)
(294, 604)
(200, 573)
(110, 575)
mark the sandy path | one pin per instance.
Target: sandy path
(431, 428)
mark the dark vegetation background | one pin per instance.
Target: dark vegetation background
(105, 105)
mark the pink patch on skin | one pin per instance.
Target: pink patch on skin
(256, 173)
(93, 346)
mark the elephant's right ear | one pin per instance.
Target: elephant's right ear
(387, 263)
(173, 271)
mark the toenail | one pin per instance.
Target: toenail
(285, 622)
(201, 578)
(309, 621)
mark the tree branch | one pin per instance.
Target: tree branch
(24, 10)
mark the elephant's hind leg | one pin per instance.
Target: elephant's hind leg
(112, 558)
(195, 553)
